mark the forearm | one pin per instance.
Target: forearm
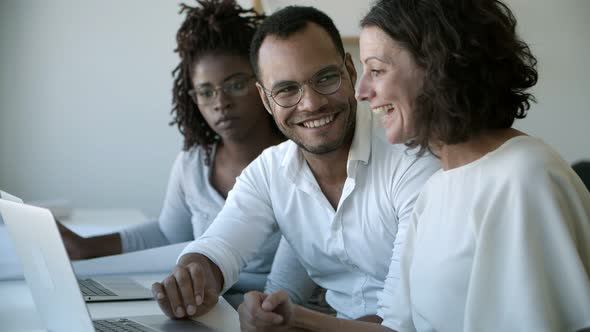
(309, 320)
(371, 319)
(81, 248)
(102, 245)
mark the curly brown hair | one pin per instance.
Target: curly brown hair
(211, 27)
(477, 70)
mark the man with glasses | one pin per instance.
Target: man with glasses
(341, 196)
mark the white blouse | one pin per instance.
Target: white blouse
(500, 244)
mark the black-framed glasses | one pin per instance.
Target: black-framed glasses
(236, 86)
(289, 93)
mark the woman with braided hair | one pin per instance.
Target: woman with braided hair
(225, 126)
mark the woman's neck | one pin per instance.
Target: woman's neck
(242, 152)
(457, 155)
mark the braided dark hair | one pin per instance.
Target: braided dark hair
(211, 27)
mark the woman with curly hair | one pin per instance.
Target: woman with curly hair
(225, 126)
(500, 237)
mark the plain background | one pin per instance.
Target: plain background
(85, 94)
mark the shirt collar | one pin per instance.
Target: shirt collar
(360, 149)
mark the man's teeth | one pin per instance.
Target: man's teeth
(319, 122)
(382, 109)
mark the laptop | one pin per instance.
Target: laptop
(100, 289)
(53, 285)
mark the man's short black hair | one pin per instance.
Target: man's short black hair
(288, 21)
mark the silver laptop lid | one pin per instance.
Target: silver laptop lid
(9, 197)
(46, 267)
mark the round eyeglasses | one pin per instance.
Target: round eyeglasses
(234, 87)
(289, 93)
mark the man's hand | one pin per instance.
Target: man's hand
(261, 312)
(191, 290)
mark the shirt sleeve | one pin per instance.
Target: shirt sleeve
(404, 194)
(142, 236)
(288, 274)
(243, 225)
(532, 261)
(173, 225)
(394, 301)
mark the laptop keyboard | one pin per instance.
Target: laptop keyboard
(119, 325)
(90, 287)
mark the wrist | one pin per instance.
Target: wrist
(85, 250)
(210, 268)
(98, 246)
(79, 247)
(301, 318)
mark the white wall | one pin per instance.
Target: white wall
(85, 94)
(559, 35)
(85, 100)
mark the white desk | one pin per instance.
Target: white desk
(18, 313)
(17, 309)
(88, 222)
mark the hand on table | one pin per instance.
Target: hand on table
(261, 312)
(192, 289)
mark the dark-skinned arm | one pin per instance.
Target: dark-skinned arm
(79, 247)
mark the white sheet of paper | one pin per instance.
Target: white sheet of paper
(154, 260)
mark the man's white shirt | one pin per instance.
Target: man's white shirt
(348, 250)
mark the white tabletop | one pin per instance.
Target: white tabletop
(88, 222)
(18, 313)
(17, 309)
